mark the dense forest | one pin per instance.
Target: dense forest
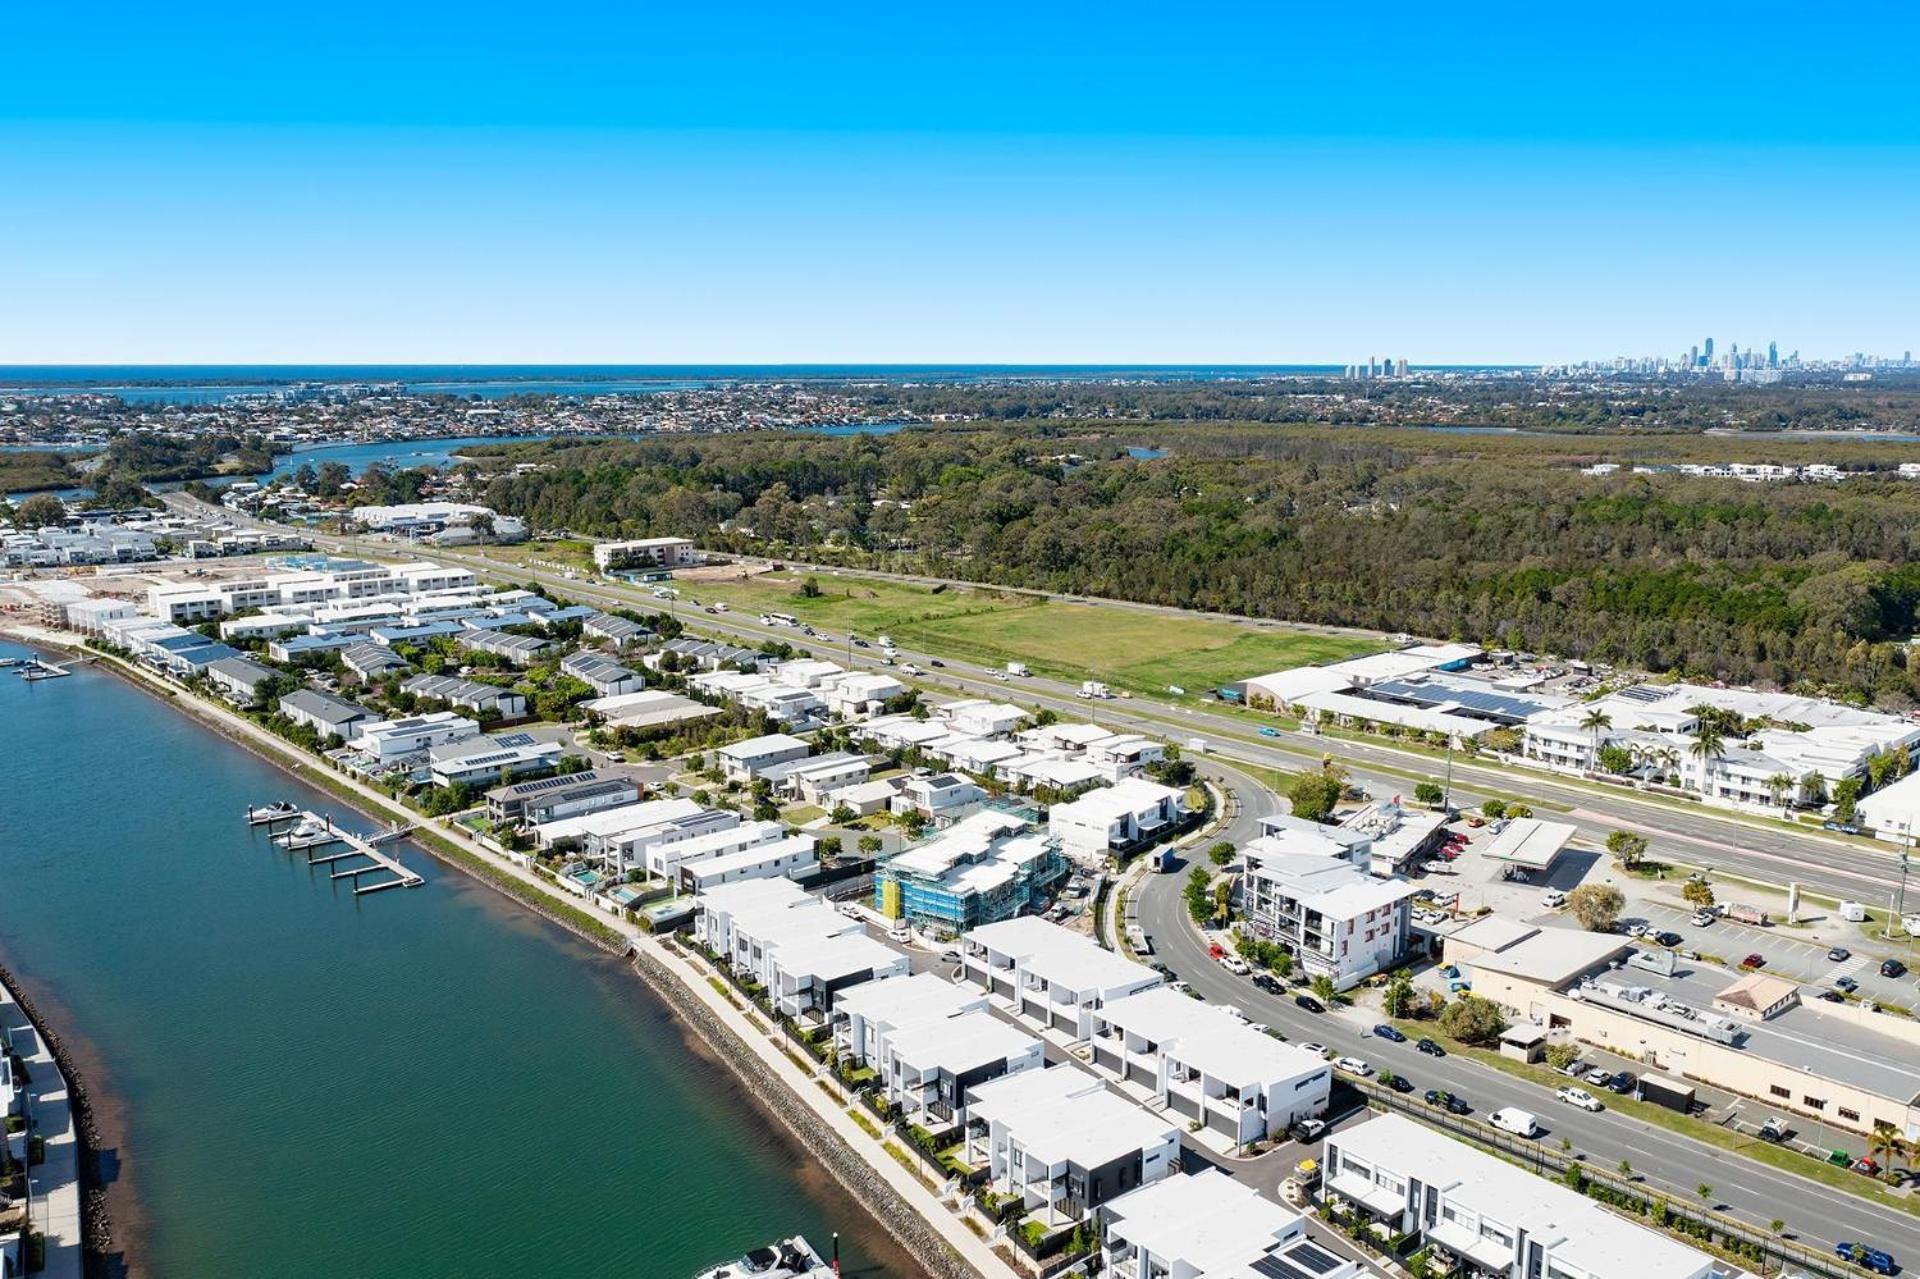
(1496, 539)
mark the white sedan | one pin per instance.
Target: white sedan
(1579, 1097)
(1354, 1066)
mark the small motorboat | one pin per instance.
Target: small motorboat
(792, 1258)
(277, 812)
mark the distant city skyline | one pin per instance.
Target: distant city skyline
(496, 185)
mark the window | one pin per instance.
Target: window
(1777, 1091)
(1853, 1115)
(1814, 1103)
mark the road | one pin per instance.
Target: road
(1751, 1191)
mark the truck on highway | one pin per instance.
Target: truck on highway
(1663, 1090)
(1093, 688)
(1017, 669)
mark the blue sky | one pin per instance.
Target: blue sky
(981, 182)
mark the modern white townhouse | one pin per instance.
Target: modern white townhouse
(516, 650)
(1212, 1226)
(1114, 819)
(744, 761)
(480, 760)
(1337, 918)
(789, 858)
(1063, 1143)
(977, 717)
(800, 949)
(939, 797)
(612, 822)
(549, 799)
(929, 1069)
(392, 740)
(665, 860)
(865, 1018)
(858, 694)
(810, 779)
(1052, 977)
(632, 846)
(1207, 1065)
(1496, 1218)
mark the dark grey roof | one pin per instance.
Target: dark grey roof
(324, 707)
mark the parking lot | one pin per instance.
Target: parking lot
(1797, 958)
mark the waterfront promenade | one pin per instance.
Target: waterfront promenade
(968, 1254)
(53, 1185)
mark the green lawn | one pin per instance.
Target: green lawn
(1136, 651)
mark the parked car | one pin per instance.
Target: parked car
(1309, 1003)
(1847, 984)
(1892, 968)
(1447, 1101)
(1578, 1097)
(1839, 955)
(1318, 1050)
(1702, 918)
(1235, 965)
(1389, 1033)
(1832, 996)
(1430, 1048)
(1775, 1129)
(1844, 828)
(1867, 1167)
(1622, 1082)
(1874, 1259)
(1307, 1129)
(1553, 899)
(1753, 961)
(1574, 1069)
(1397, 1082)
(1599, 1078)
(1354, 1066)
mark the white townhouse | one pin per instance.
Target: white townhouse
(390, 740)
(799, 948)
(930, 1067)
(939, 797)
(1053, 977)
(790, 858)
(865, 1018)
(857, 694)
(1115, 818)
(810, 779)
(1497, 1218)
(1064, 1144)
(744, 761)
(633, 847)
(606, 824)
(977, 717)
(1212, 1226)
(664, 860)
(480, 760)
(1207, 1065)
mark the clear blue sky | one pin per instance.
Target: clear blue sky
(986, 182)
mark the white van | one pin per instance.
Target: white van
(1512, 1119)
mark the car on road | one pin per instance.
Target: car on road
(949, 956)
(1839, 955)
(1268, 983)
(1892, 968)
(1754, 960)
(1397, 1082)
(1430, 1048)
(1235, 965)
(1874, 1259)
(1447, 1101)
(934, 661)
(1307, 1129)
(1318, 1050)
(1309, 1003)
(860, 643)
(1354, 1066)
(1389, 1033)
(1578, 1097)
(1269, 731)
(1847, 984)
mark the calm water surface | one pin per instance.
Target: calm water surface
(301, 1083)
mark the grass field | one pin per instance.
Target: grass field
(1137, 651)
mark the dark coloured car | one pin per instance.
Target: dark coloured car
(1847, 984)
(1753, 961)
(1622, 1082)
(1430, 1048)
(1309, 1003)
(1832, 996)
(1892, 968)
(1447, 1101)
(1874, 1259)
(1839, 955)
(1399, 1083)
(934, 661)
(1384, 1031)
(1667, 939)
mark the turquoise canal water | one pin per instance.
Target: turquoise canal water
(298, 1082)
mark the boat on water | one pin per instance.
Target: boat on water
(793, 1258)
(306, 833)
(275, 812)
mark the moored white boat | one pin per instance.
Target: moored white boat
(793, 1258)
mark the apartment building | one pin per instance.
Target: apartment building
(1336, 917)
(930, 1068)
(987, 867)
(1115, 819)
(645, 552)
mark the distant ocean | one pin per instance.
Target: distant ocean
(211, 383)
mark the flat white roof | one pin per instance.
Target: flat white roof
(833, 957)
(1531, 842)
(757, 855)
(1063, 1114)
(905, 1001)
(1552, 955)
(1576, 1229)
(755, 747)
(1208, 1221)
(1060, 956)
(615, 821)
(1210, 1039)
(959, 1044)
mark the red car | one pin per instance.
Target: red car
(1752, 961)
(1216, 951)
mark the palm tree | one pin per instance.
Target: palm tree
(1777, 787)
(1593, 721)
(1708, 741)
